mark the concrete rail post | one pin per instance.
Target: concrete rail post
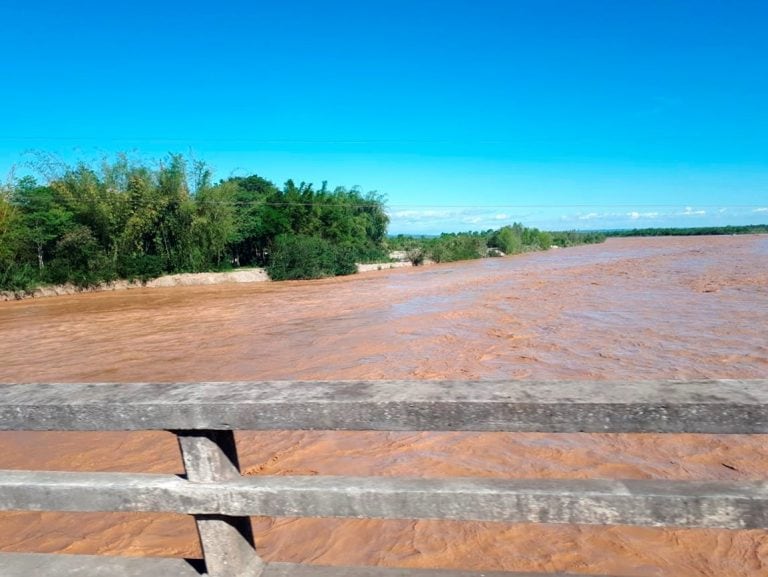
(227, 542)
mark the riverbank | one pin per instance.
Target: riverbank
(185, 279)
(246, 275)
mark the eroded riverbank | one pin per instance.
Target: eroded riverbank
(632, 308)
(243, 275)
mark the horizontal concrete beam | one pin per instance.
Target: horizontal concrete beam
(728, 505)
(724, 406)
(292, 570)
(39, 564)
(42, 564)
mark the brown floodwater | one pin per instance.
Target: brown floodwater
(657, 308)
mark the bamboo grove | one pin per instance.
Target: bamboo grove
(89, 225)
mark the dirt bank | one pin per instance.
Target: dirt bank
(246, 275)
(186, 279)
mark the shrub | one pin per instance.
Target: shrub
(18, 277)
(140, 266)
(415, 255)
(79, 260)
(295, 257)
(452, 247)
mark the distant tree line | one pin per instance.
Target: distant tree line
(92, 224)
(511, 239)
(695, 231)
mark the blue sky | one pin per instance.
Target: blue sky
(464, 114)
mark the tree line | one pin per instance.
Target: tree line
(692, 231)
(93, 224)
(507, 240)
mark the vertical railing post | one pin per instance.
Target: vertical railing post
(227, 542)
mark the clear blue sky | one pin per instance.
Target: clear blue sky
(465, 114)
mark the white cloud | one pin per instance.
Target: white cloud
(422, 214)
(434, 220)
(634, 215)
(588, 216)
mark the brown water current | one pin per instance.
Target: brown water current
(657, 308)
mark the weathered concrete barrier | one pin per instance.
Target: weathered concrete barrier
(203, 415)
(725, 505)
(724, 406)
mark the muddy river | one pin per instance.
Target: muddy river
(660, 308)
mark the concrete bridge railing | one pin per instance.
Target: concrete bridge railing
(204, 416)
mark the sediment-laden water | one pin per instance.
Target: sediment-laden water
(661, 308)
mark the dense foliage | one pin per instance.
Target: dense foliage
(91, 224)
(568, 238)
(306, 257)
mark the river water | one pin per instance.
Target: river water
(656, 308)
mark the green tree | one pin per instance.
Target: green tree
(83, 193)
(259, 218)
(507, 239)
(44, 217)
(308, 257)
(213, 225)
(79, 259)
(456, 246)
(15, 271)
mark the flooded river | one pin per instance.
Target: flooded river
(659, 308)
